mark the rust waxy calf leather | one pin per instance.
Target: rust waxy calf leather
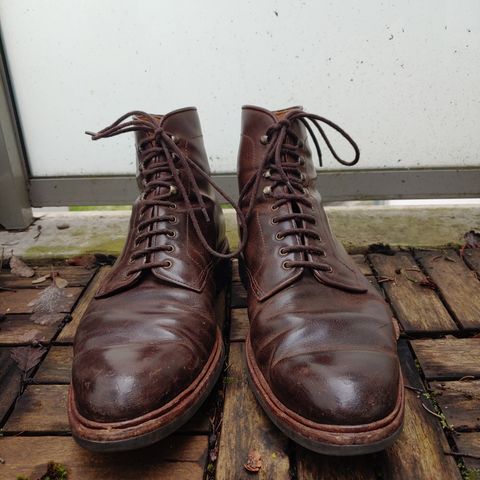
(321, 351)
(149, 348)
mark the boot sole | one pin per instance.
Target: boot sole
(153, 426)
(338, 440)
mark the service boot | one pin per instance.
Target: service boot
(321, 351)
(149, 348)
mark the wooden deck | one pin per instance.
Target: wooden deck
(435, 297)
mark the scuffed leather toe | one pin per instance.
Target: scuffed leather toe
(338, 388)
(121, 382)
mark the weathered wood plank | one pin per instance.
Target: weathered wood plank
(57, 366)
(238, 296)
(457, 283)
(68, 332)
(245, 427)
(235, 271)
(20, 330)
(239, 324)
(20, 301)
(472, 258)
(43, 408)
(417, 308)
(313, 466)
(362, 263)
(10, 382)
(75, 276)
(448, 358)
(460, 402)
(181, 457)
(419, 450)
(469, 442)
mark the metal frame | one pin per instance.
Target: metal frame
(15, 209)
(335, 186)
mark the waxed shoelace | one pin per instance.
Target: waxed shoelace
(162, 157)
(281, 165)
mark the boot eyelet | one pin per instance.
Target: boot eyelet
(267, 191)
(170, 248)
(173, 205)
(282, 251)
(301, 160)
(173, 219)
(264, 139)
(273, 207)
(172, 234)
(300, 144)
(175, 139)
(267, 173)
(286, 265)
(330, 269)
(168, 264)
(273, 221)
(173, 190)
(131, 261)
(279, 236)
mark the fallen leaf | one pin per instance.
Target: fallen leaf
(254, 461)
(87, 261)
(19, 268)
(27, 358)
(55, 471)
(472, 239)
(40, 279)
(47, 308)
(60, 282)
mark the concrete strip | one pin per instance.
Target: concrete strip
(356, 226)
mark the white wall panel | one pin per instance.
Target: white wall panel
(403, 77)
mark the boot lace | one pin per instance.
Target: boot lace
(281, 166)
(161, 161)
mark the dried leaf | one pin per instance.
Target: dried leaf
(60, 282)
(51, 300)
(19, 268)
(472, 239)
(254, 461)
(87, 261)
(40, 279)
(27, 358)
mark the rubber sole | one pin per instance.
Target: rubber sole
(338, 440)
(154, 426)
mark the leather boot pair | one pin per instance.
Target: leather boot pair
(321, 351)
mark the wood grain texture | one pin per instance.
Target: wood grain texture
(235, 271)
(362, 263)
(179, 457)
(41, 408)
(75, 276)
(245, 427)
(68, 333)
(313, 466)
(458, 285)
(472, 258)
(460, 402)
(20, 330)
(20, 301)
(57, 366)
(448, 358)
(469, 443)
(239, 325)
(10, 382)
(418, 453)
(238, 296)
(418, 309)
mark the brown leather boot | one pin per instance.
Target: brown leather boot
(321, 351)
(149, 348)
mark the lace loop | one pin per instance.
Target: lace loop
(162, 158)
